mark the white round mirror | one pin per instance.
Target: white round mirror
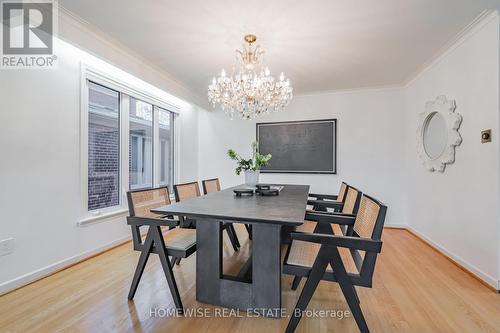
(435, 135)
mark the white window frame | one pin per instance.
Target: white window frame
(173, 146)
(126, 90)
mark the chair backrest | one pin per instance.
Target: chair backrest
(210, 185)
(186, 191)
(141, 202)
(342, 192)
(369, 223)
(370, 219)
(352, 200)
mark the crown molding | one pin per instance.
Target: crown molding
(350, 90)
(471, 29)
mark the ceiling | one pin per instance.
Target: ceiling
(321, 45)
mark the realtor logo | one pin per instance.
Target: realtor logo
(27, 34)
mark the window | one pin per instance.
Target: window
(140, 144)
(124, 130)
(103, 147)
(166, 134)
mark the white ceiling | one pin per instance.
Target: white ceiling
(321, 45)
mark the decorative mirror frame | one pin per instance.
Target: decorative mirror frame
(446, 108)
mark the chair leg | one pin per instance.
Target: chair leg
(356, 294)
(317, 272)
(323, 228)
(167, 269)
(349, 231)
(296, 282)
(143, 259)
(348, 290)
(232, 236)
(249, 230)
(182, 222)
(343, 229)
(178, 262)
(173, 261)
(235, 235)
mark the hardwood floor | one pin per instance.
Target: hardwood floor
(415, 289)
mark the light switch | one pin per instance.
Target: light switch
(486, 136)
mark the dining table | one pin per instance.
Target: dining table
(257, 286)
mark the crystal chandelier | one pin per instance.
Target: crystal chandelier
(250, 90)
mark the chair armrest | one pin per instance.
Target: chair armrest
(355, 243)
(323, 196)
(150, 221)
(327, 204)
(321, 217)
(312, 211)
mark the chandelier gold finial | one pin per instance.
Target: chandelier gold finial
(250, 38)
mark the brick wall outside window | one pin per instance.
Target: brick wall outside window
(104, 165)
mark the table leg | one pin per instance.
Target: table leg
(266, 271)
(208, 260)
(263, 295)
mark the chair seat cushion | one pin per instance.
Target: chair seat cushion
(304, 253)
(180, 238)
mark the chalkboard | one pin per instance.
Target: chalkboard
(299, 146)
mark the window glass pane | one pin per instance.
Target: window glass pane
(163, 166)
(103, 147)
(165, 125)
(141, 144)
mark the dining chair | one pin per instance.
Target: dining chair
(348, 212)
(175, 242)
(321, 202)
(185, 192)
(213, 185)
(191, 190)
(210, 185)
(347, 260)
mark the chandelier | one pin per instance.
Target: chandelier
(249, 90)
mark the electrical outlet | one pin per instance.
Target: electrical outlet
(6, 246)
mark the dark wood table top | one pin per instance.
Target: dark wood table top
(287, 208)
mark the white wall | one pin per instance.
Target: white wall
(458, 209)
(40, 165)
(187, 164)
(370, 144)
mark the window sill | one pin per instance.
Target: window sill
(102, 217)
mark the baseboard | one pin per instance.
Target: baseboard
(470, 269)
(43, 272)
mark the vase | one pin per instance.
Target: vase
(251, 177)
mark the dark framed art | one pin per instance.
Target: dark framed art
(308, 146)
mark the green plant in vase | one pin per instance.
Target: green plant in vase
(251, 166)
